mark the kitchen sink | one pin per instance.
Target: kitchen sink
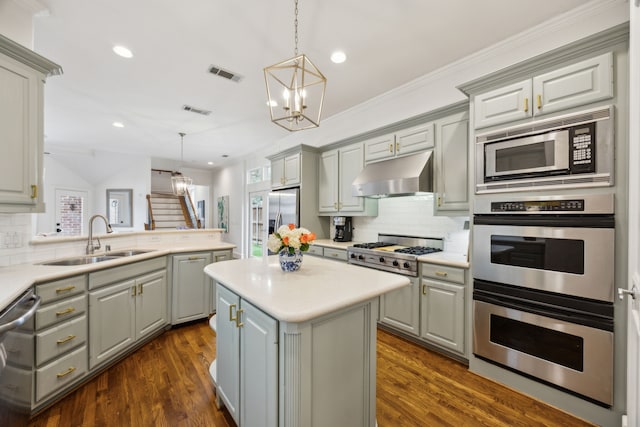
(130, 252)
(81, 260)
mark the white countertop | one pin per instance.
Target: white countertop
(16, 279)
(321, 286)
(328, 243)
(452, 259)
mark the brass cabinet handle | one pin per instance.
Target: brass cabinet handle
(397, 147)
(231, 318)
(424, 289)
(140, 289)
(526, 105)
(334, 255)
(439, 201)
(65, 373)
(67, 339)
(65, 311)
(441, 273)
(65, 289)
(195, 258)
(391, 148)
(133, 291)
(539, 102)
(239, 324)
(335, 205)
(34, 191)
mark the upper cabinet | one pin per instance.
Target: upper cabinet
(22, 75)
(577, 84)
(405, 141)
(285, 170)
(451, 164)
(337, 170)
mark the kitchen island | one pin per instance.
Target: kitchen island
(299, 348)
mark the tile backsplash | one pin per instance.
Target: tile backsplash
(409, 215)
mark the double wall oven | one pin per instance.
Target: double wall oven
(544, 289)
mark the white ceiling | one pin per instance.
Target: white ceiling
(388, 43)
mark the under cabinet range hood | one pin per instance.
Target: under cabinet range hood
(400, 176)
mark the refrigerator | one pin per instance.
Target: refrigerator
(284, 208)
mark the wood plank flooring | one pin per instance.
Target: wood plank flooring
(166, 383)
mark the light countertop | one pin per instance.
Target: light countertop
(452, 259)
(321, 286)
(328, 243)
(16, 279)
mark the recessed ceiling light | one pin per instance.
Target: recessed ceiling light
(338, 57)
(123, 51)
(118, 124)
(209, 163)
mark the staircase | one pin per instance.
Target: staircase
(168, 212)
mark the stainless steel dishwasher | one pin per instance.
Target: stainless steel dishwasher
(16, 366)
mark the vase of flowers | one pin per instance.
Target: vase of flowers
(289, 242)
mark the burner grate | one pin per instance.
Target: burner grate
(418, 250)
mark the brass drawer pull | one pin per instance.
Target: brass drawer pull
(133, 291)
(231, 318)
(67, 339)
(539, 102)
(391, 148)
(66, 311)
(398, 147)
(424, 289)
(140, 289)
(441, 273)
(526, 105)
(65, 289)
(34, 191)
(239, 324)
(65, 373)
(195, 258)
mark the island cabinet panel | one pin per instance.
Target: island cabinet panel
(401, 308)
(191, 287)
(246, 361)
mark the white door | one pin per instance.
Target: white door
(71, 211)
(633, 324)
(258, 221)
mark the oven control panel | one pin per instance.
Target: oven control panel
(576, 205)
(582, 148)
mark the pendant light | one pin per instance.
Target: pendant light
(295, 90)
(180, 183)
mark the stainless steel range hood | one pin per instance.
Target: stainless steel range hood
(396, 177)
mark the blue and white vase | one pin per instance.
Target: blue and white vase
(290, 261)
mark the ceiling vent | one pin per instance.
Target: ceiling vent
(217, 71)
(196, 110)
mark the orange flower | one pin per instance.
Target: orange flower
(292, 226)
(312, 237)
(305, 238)
(285, 240)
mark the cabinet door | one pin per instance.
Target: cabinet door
(351, 164)
(277, 173)
(443, 314)
(578, 84)
(292, 169)
(111, 321)
(151, 303)
(503, 105)
(191, 287)
(258, 368)
(228, 351)
(222, 255)
(21, 135)
(414, 139)
(452, 171)
(401, 308)
(328, 181)
(382, 147)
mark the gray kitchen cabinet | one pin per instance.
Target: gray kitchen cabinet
(247, 365)
(400, 309)
(331, 253)
(22, 75)
(443, 307)
(285, 170)
(405, 141)
(60, 337)
(451, 165)
(336, 171)
(576, 84)
(131, 305)
(190, 287)
(224, 255)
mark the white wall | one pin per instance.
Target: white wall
(230, 181)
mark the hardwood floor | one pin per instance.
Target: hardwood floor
(166, 383)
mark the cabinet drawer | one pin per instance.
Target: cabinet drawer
(61, 288)
(56, 341)
(125, 272)
(56, 375)
(338, 254)
(60, 311)
(442, 272)
(315, 250)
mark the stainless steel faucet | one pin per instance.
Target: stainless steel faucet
(91, 247)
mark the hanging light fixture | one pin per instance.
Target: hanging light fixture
(180, 183)
(295, 90)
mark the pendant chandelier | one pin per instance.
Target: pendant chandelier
(180, 183)
(295, 90)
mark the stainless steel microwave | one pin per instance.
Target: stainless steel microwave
(575, 150)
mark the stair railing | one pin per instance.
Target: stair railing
(151, 224)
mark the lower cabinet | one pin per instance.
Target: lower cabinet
(126, 311)
(247, 364)
(401, 308)
(443, 307)
(331, 253)
(191, 287)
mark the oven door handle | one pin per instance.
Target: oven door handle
(22, 319)
(600, 221)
